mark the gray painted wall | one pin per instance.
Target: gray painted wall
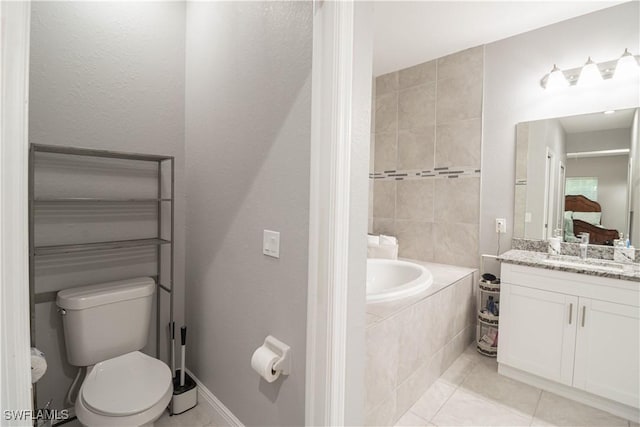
(107, 76)
(248, 112)
(513, 68)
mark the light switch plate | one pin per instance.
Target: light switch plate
(271, 243)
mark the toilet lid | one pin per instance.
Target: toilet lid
(126, 384)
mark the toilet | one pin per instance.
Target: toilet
(105, 326)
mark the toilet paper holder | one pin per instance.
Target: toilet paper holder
(281, 349)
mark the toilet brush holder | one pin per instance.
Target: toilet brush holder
(184, 397)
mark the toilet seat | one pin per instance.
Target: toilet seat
(145, 381)
(126, 384)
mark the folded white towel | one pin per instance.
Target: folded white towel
(388, 240)
(373, 240)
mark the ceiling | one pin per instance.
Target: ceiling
(407, 33)
(621, 119)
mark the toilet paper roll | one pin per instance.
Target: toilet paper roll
(38, 364)
(262, 362)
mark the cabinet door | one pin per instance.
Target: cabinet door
(607, 351)
(538, 331)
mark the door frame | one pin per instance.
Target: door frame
(15, 360)
(340, 141)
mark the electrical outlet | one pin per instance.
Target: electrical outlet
(501, 225)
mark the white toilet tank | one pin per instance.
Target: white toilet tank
(106, 320)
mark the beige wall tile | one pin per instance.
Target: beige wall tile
(456, 244)
(386, 83)
(415, 239)
(459, 143)
(415, 200)
(386, 151)
(409, 341)
(383, 415)
(417, 106)
(519, 210)
(387, 112)
(384, 199)
(457, 200)
(418, 74)
(381, 367)
(522, 150)
(461, 65)
(372, 153)
(386, 226)
(416, 148)
(459, 99)
(417, 384)
(370, 206)
(463, 301)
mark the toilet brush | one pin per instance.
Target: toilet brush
(183, 341)
(185, 392)
(172, 325)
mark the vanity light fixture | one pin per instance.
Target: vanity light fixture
(625, 67)
(590, 74)
(556, 79)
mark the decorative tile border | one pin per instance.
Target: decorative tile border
(435, 173)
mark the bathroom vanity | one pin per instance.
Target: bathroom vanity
(572, 327)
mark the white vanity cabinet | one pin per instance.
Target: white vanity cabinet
(573, 334)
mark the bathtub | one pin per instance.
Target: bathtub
(389, 280)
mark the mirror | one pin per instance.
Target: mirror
(579, 174)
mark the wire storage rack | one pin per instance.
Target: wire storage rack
(159, 240)
(488, 306)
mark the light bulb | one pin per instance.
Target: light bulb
(556, 79)
(627, 67)
(589, 75)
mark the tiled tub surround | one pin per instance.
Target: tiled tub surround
(592, 267)
(427, 145)
(571, 249)
(411, 342)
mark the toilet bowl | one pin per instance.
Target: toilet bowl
(129, 390)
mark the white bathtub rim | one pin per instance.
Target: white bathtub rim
(410, 289)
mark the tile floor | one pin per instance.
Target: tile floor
(200, 416)
(471, 393)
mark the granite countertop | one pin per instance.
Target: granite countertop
(573, 264)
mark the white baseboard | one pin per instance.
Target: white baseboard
(615, 408)
(223, 416)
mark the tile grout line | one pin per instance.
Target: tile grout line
(536, 408)
(454, 389)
